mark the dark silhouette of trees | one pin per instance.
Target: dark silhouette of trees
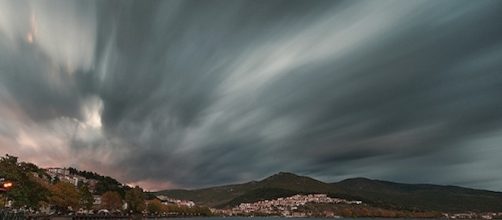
(104, 184)
(26, 190)
(64, 195)
(135, 200)
(155, 207)
(111, 200)
(86, 198)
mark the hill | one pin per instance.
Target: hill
(421, 196)
(373, 192)
(279, 184)
(33, 187)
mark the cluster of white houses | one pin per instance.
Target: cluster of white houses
(170, 201)
(473, 215)
(63, 174)
(285, 206)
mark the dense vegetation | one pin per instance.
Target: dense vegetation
(155, 207)
(34, 189)
(28, 190)
(105, 183)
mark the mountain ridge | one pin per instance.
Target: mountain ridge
(414, 184)
(380, 193)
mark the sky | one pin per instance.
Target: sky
(188, 94)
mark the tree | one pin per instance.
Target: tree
(65, 195)
(135, 200)
(86, 199)
(26, 190)
(204, 211)
(154, 207)
(111, 201)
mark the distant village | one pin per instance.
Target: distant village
(292, 207)
(288, 207)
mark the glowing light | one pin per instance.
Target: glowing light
(7, 185)
(29, 38)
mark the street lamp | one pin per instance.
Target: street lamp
(5, 185)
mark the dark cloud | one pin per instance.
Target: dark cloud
(197, 93)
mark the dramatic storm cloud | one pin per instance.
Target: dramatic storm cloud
(195, 93)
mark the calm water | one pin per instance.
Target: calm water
(279, 218)
(263, 218)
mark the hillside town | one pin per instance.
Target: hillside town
(288, 206)
(69, 175)
(64, 174)
(32, 192)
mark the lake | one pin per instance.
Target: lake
(277, 218)
(255, 218)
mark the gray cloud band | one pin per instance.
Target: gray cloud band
(191, 93)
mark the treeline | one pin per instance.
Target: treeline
(104, 184)
(155, 207)
(346, 210)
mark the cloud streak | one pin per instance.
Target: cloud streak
(191, 94)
